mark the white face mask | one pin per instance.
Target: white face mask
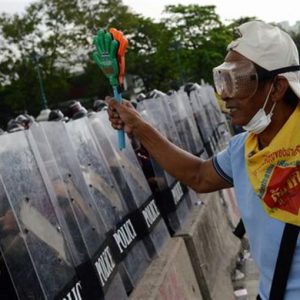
(260, 121)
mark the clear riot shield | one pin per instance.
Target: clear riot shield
(213, 114)
(124, 164)
(209, 109)
(187, 119)
(128, 173)
(96, 173)
(32, 243)
(170, 123)
(161, 118)
(202, 120)
(218, 115)
(222, 129)
(84, 225)
(152, 111)
(173, 136)
(172, 108)
(105, 191)
(75, 223)
(191, 120)
(166, 188)
(70, 167)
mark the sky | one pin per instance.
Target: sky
(267, 10)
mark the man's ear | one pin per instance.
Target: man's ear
(279, 89)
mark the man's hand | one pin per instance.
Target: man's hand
(123, 115)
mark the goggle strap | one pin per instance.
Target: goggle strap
(284, 70)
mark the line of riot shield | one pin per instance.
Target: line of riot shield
(33, 246)
(123, 239)
(164, 112)
(96, 173)
(83, 224)
(105, 191)
(171, 196)
(128, 173)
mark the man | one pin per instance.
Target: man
(260, 83)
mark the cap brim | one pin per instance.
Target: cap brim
(295, 86)
(293, 79)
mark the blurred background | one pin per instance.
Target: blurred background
(46, 47)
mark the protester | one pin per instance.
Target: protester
(260, 84)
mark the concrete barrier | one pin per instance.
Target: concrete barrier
(212, 247)
(170, 276)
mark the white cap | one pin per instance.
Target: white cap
(270, 48)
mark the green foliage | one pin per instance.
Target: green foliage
(185, 46)
(202, 39)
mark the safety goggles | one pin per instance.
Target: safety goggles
(236, 79)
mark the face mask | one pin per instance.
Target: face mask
(260, 121)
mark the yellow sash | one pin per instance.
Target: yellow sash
(274, 171)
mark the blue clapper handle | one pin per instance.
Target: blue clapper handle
(121, 134)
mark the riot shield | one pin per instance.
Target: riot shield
(160, 117)
(124, 162)
(159, 184)
(169, 123)
(96, 173)
(222, 129)
(218, 115)
(172, 108)
(152, 111)
(84, 206)
(211, 113)
(187, 119)
(79, 218)
(202, 120)
(128, 173)
(103, 187)
(32, 243)
(174, 210)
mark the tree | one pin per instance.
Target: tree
(202, 38)
(186, 45)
